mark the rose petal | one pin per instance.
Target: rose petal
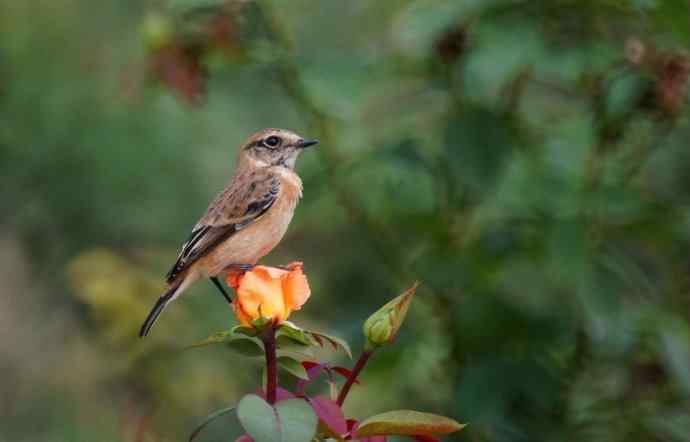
(269, 292)
(242, 316)
(296, 288)
(234, 279)
(261, 296)
(269, 273)
(295, 265)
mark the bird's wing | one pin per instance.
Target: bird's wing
(243, 202)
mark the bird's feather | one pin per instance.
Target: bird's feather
(242, 203)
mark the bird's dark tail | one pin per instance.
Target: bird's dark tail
(157, 309)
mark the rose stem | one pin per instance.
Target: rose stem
(269, 339)
(361, 362)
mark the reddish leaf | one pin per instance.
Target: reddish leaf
(313, 372)
(421, 438)
(223, 32)
(281, 394)
(330, 413)
(673, 82)
(180, 69)
(352, 425)
(309, 364)
(244, 438)
(344, 372)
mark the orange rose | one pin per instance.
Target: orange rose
(269, 293)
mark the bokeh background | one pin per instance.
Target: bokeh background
(529, 161)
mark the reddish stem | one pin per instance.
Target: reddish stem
(269, 339)
(361, 362)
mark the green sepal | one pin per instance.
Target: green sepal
(239, 343)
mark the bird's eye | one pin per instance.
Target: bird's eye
(272, 141)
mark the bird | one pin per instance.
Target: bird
(245, 221)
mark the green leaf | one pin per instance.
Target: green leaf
(258, 419)
(672, 17)
(292, 420)
(293, 366)
(298, 421)
(290, 336)
(675, 335)
(294, 342)
(241, 344)
(335, 342)
(408, 423)
(216, 338)
(246, 347)
(284, 343)
(180, 6)
(294, 333)
(301, 354)
(210, 418)
(416, 27)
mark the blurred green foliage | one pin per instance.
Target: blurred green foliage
(527, 160)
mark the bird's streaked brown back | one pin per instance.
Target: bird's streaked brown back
(242, 202)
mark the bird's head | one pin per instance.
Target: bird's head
(274, 147)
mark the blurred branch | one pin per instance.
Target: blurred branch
(597, 95)
(553, 86)
(599, 90)
(514, 90)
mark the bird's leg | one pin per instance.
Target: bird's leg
(222, 290)
(232, 268)
(240, 267)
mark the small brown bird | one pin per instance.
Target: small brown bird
(245, 221)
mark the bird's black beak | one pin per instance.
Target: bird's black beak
(306, 143)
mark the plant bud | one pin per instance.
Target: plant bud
(382, 327)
